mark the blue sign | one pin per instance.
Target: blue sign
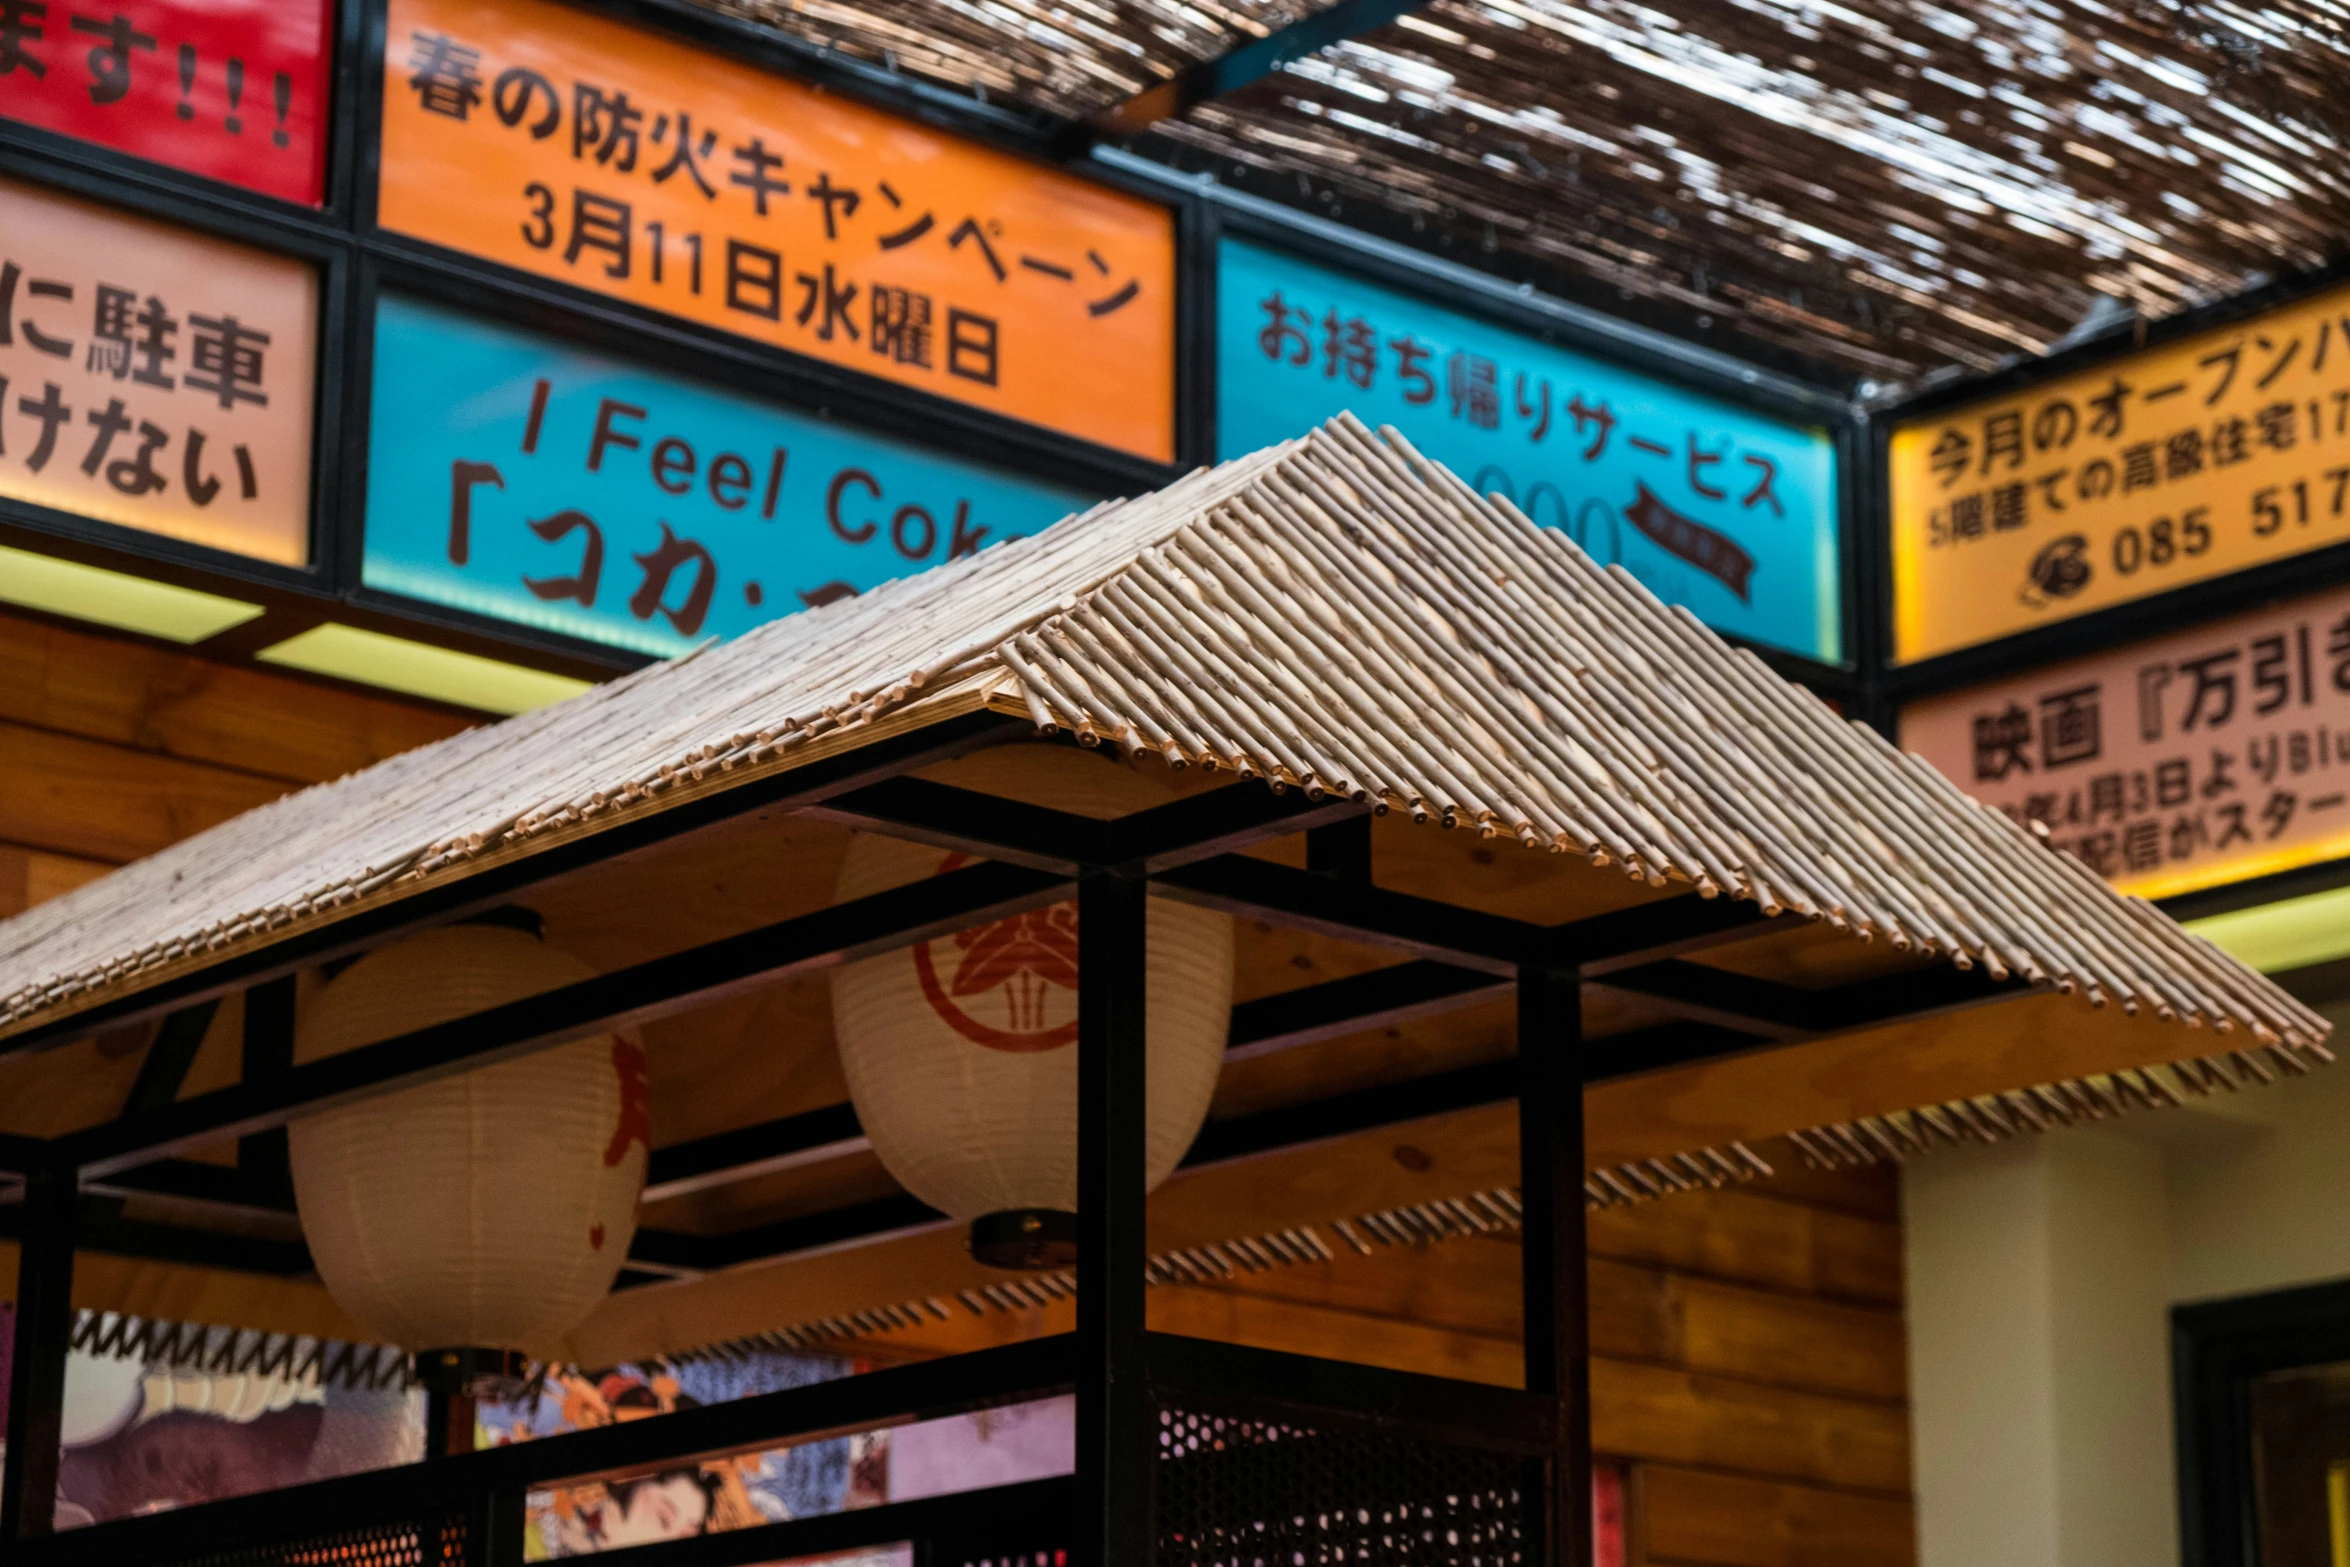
(1711, 505)
(515, 476)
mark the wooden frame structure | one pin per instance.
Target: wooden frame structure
(1721, 1016)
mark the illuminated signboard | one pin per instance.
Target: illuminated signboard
(155, 378)
(1711, 505)
(2172, 764)
(231, 89)
(583, 150)
(517, 477)
(2220, 451)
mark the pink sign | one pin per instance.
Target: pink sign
(2186, 761)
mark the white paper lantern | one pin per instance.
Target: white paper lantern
(959, 1052)
(489, 1209)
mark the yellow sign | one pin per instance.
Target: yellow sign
(586, 151)
(155, 378)
(2218, 452)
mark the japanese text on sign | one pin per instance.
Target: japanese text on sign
(514, 477)
(1710, 505)
(2219, 452)
(583, 150)
(231, 89)
(154, 378)
(2196, 759)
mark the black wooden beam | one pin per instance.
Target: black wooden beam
(485, 889)
(1909, 998)
(1739, 1002)
(678, 1254)
(1383, 998)
(625, 998)
(1667, 928)
(1423, 927)
(984, 826)
(1350, 910)
(1196, 827)
(748, 1152)
(1236, 68)
(192, 1181)
(1343, 1115)
(1792, 1013)
(177, 1040)
(1221, 822)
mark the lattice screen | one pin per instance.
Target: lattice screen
(1235, 1492)
(436, 1542)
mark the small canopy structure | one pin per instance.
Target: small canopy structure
(1426, 749)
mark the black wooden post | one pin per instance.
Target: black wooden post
(1550, 1173)
(44, 1332)
(495, 1522)
(267, 1050)
(1114, 1451)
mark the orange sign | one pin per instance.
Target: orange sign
(2220, 451)
(155, 378)
(586, 151)
(2183, 762)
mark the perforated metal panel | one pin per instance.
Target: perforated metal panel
(967, 1557)
(1240, 1492)
(411, 1543)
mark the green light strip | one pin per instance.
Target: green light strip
(111, 598)
(2291, 933)
(419, 669)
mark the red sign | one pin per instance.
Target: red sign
(234, 90)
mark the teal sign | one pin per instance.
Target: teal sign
(515, 476)
(1709, 504)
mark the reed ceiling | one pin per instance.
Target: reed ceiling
(1879, 190)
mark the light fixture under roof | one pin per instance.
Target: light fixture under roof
(116, 599)
(2288, 934)
(420, 669)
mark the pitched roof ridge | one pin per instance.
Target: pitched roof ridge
(1336, 613)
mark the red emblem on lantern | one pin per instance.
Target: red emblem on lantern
(635, 1123)
(1022, 962)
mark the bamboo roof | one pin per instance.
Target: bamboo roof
(1335, 614)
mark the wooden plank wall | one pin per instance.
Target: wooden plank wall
(112, 748)
(1748, 1365)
